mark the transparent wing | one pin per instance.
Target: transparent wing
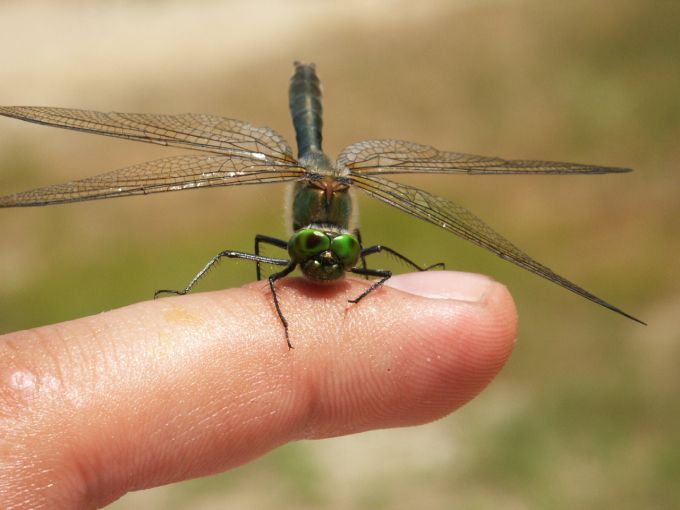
(456, 219)
(168, 174)
(190, 130)
(372, 157)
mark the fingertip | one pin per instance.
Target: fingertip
(404, 359)
(460, 286)
(483, 325)
(468, 323)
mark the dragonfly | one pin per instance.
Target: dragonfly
(326, 242)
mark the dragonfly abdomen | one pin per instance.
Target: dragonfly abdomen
(304, 97)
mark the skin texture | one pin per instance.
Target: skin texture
(182, 387)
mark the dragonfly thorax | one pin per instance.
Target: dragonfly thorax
(324, 253)
(324, 200)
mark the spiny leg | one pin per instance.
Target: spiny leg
(260, 238)
(380, 248)
(272, 285)
(227, 253)
(383, 274)
(362, 257)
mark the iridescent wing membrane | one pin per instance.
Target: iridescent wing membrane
(366, 161)
(231, 153)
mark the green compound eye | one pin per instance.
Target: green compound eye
(346, 248)
(307, 243)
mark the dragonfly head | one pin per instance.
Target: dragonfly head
(323, 255)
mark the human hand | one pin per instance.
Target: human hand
(182, 387)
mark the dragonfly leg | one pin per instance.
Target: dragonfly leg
(383, 274)
(380, 248)
(362, 257)
(229, 254)
(272, 285)
(259, 238)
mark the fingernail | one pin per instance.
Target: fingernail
(443, 285)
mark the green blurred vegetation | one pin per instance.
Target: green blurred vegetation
(586, 414)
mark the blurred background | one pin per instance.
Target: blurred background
(586, 413)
